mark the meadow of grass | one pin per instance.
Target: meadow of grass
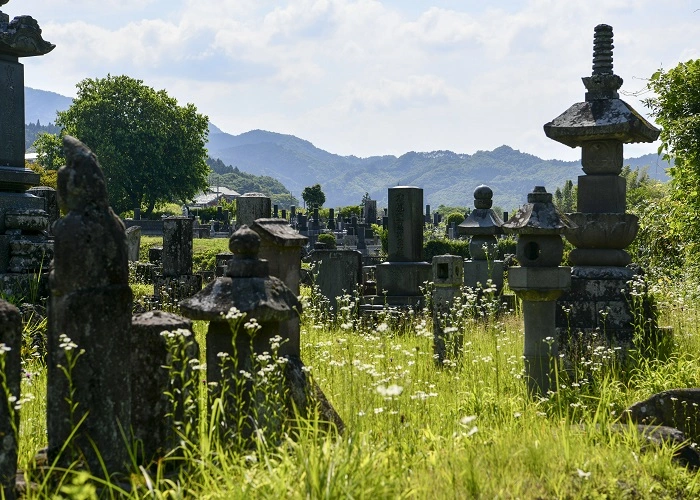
(467, 429)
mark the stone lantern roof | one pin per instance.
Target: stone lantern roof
(538, 216)
(279, 232)
(21, 37)
(247, 286)
(482, 220)
(603, 115)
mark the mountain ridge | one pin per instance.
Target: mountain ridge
(447, 178)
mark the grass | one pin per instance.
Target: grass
(415, 430)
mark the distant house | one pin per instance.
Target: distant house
(213, 196)
(30, 157)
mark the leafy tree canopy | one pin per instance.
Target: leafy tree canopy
(151, 150)
(313, 196)
(676, 108)
(49, 149)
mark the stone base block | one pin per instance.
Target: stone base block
(599, 302)
(176, 288)
(539, 283)
(478, 272)
(599, 257)
(403, 278)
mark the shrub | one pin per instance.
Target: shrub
(328, 239)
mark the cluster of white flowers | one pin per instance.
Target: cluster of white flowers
(66, 343)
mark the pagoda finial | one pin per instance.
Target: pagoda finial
(603, 50)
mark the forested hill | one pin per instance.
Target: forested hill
(447, 178)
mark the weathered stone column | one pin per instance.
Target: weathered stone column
(89, 335)
(11, 346)
(160, 421)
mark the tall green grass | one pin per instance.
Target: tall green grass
(467, 429)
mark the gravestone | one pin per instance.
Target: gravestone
(89, 328)
(50, 202)
(405, 271)
(337, 272)
(133, 243)
(369, 212)
(282, 247)
(10, 349)
(177, 281)
(156, 417)
(251, 206)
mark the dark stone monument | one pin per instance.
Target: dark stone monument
(337, 272)
(10, 349)
(331, 219)
(89, 333)
(600, 126)
(251, 206)
(369, 212)
(405, 271)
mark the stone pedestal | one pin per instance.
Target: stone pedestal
(538, 288)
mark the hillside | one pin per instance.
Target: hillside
(447, 178)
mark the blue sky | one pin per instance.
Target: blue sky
(367, 77)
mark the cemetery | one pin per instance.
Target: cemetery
(282, 353)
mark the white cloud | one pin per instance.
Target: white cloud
(363, 76)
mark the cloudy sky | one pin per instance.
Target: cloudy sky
(367, 77)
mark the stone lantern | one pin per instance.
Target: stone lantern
(600, 126)
(483, 225)
(23, 218)
(248, 287)
(539, 281)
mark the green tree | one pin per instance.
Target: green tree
(49, 149)
(676, 108)
(565, 197)
(313, 196)
(152, 150)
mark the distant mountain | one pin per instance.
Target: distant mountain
(41, 105)
(447, 178)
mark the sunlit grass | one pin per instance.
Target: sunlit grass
(466, 429)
